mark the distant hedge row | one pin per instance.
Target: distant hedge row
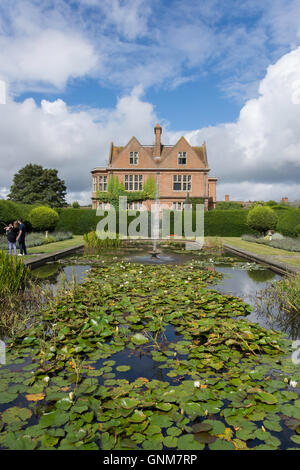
(226, 223)
(222, 223)
(230, 223)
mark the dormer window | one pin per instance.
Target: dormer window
(134, 158)
(181, 158)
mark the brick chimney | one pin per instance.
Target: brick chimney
(157, 148)
(227, 198)
(285, 200)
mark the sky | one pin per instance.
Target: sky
(78, 74)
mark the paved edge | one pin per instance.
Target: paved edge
(276, 266)
(40, 260)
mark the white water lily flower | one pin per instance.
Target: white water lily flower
(293, 383)
(197, 384)
(71, 395)
(46, 379)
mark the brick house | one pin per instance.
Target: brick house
(180, 170)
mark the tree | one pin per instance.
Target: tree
(35, 184)
(76, 205)
(43, 218)
(262, 219)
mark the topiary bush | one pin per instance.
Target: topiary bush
(262, 218)
(43, 218)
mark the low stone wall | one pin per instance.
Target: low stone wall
(42, 259)
(274, 265)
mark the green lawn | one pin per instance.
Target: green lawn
(53, 247)
(287, 257)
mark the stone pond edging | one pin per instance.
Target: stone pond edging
(40, 260)
(274, 265)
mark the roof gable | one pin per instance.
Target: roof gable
(196, 156)
(121, 159)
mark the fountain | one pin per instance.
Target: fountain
(154, 253)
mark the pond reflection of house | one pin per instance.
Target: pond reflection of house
(183, 169)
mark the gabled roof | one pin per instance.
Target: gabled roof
(200, 151)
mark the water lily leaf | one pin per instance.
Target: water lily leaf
(128, 403)
(221, 444)
(11, 415)
(137, 417)
(139, 339)
(267, 398)
(35, 397)
(188, 442)
(123, 368)
(54, 418)
(6, 397)
(170, 441)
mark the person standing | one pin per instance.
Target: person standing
(11, 234)
(21, 238)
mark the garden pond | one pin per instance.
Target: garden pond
(141, 353)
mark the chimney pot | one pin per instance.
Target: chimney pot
(157, 132)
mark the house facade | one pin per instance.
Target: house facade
(179, 169)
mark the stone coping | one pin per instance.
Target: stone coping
(40, 260)
(274, 265)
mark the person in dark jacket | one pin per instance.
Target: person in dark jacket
(21, 238)
(12, 231)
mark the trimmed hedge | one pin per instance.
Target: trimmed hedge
(288, 222)
(11, 211)
(77, 221)
(228, 223)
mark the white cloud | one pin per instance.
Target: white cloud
(51, 57)
(138, 42)
(71, 140)
(257, 157)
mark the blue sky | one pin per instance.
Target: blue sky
(191, 65)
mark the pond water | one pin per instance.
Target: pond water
(241, 279)
(165, 358)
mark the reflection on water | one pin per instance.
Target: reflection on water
(245, 280)
(55, 275)
(250, 285)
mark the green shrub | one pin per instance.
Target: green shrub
(13, 273)
(43, 218)
(262, 219)
(228, 205)
(75, 205)
(288, 222)
(288, 244)
(297, 230)
(11, 211)
(94, 244)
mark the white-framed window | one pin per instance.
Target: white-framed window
(182, 183)
(94, 184)
(177, 206)
(133, 182)
(105, 206)
(137, 206)
(102, 183)
(134, 158)
(182, 159)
